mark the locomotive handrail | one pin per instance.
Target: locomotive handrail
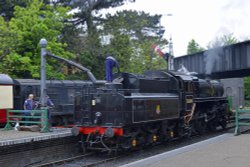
(43, 118)
(241, 120)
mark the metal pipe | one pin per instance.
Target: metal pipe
(79, 66)
(43, 44)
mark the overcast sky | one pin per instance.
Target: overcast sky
(202, 20)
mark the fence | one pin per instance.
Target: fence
(40, 116)
(242, 118)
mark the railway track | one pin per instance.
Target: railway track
(92, 159)
(96, 163)
(86, 160)
(63, 161)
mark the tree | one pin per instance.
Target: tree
(86, 8)
(84, 36)
(146, 59)
(247, 87)
(8, 39)
(194, 47)
(140, 30)
(28, 26)
(138, 25)
(86, 19)
(7, 7)
(222, 41)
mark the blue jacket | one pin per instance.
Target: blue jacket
(29, 104)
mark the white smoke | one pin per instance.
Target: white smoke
(232, 18)
(211, 59)
(184, 70)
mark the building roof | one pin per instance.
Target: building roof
(5, 80)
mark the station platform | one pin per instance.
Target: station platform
(11, 137)
(225, 150)
(26, 148)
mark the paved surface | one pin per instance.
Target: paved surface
(223, 151)
(11, 137)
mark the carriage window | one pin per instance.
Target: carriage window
(17, 90)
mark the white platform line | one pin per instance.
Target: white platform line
(169, 154)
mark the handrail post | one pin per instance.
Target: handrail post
(230, 103)
(45, 121)
(237, 122)
(8, 125)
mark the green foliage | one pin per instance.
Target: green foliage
(121, 47)
(27, 27)
(132, 34)
(194, 47)
(145, 59)
(86, 8)
(8, 39)
(86, 42)
(138, 25)
(247, 87)
(222, 41)
(7, 7)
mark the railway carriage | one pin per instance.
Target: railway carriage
(6, 96)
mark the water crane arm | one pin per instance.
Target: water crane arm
(79, 66)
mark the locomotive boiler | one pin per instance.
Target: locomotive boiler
(137, 110)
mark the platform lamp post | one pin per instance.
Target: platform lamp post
(171, 52)
(43, 44)
(171, 55)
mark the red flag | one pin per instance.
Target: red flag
(157, 50)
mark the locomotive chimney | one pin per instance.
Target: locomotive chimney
(110, 63)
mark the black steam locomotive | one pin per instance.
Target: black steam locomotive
(136, 110)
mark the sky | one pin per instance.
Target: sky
(202, 20)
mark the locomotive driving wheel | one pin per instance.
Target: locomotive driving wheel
(200, 126)
(83, 144)
(223, 123)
